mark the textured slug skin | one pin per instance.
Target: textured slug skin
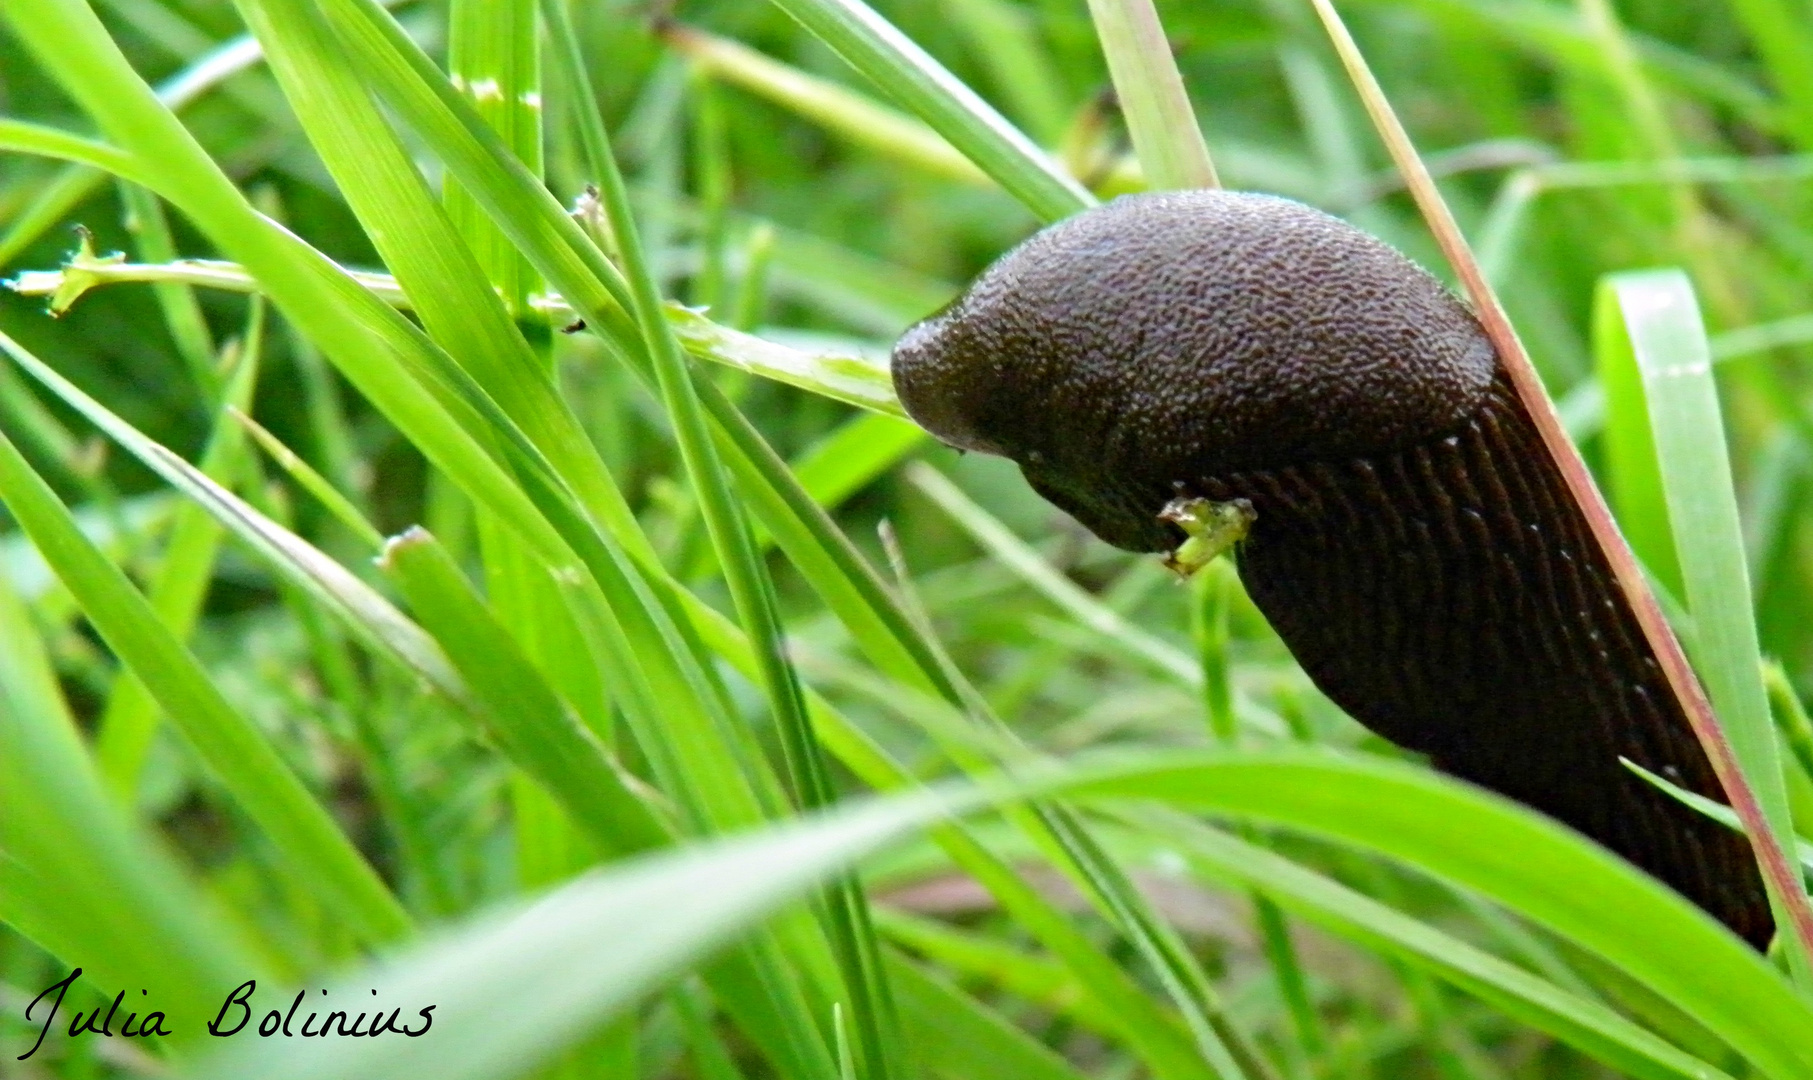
(1415, 545)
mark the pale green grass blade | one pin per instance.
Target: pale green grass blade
(546, 970)
(1633, 478)
(238, 754)
(920, 84)
(1159, 116)
(1008, 38)
(849, 114)
(1717, 811)
(1669, 342)
(492, 55)
(589, 949)
(318, 486)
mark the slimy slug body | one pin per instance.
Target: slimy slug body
(1414, 544)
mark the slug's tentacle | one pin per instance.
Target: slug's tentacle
(1414, 545)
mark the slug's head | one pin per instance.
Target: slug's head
(1148, 344)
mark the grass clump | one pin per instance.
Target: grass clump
(653, 701)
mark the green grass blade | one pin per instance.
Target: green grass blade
(955, 1035)
(24, 137)
(1633, 478)
(337, 589)
(752, 591)
(68, 853)
(1717, 811)
(1154, 654)
(919, 83)
(234, 749)
(1525, 862)
(524, 716)
(180, 585)
(545, 971)
(1159, 116)
(1592, 1028)
(1669, 342)
(318, 486)
(591, 948)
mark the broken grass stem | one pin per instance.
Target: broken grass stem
(852, 379)
(1210, 527)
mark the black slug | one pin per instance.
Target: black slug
(1414, 544)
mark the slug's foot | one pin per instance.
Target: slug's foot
(1211, 527)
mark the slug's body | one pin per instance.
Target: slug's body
(1414, 545)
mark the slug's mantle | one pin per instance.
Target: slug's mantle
(1162, 337)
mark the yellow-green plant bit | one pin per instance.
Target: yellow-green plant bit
(1213, 528)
